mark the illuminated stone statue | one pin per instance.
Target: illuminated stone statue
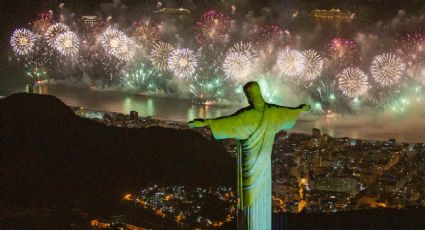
(254, 127)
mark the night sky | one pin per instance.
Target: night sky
(18, 13)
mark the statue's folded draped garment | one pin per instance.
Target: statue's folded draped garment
(254, 128)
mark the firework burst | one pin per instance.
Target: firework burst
(313, 65)
(126, 50)
(67, 44)
(43, 22)
(146, 33)
(117, 44)
(111, 40)
(352, 82)
(141, 78)
(36, 74)
(240, 61)
(412, 49)
(325, 95)
(22, 41)
(271, 38)
(212, 27)
(159, 55)
(182, 62)
(342, 53)
(290, 62)
(387, 69)
(53, 32)
(207, 88)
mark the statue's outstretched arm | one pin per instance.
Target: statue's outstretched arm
(304, 107)
(288, 116)
(237, 125)
(198, 123)
(301, 108)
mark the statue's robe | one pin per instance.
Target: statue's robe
(254, 128)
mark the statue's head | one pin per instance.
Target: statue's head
(253, 94)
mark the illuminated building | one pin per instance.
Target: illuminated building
(316, 133)
(30, 88)
(90, 24)
(391, 142)
(333, 14)
(89, 21)
(81, 111)
(177, 11)
(134, 115)
(336, 184)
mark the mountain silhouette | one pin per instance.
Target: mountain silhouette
(50, 156)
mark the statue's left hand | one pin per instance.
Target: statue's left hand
(304, 107)
(197, 123)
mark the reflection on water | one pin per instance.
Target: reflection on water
(176, 109)
(162, 108)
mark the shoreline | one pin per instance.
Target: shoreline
(183, 123)
(373, 128)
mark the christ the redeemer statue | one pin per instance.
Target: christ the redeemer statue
(254, 127)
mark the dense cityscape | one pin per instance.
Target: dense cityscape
(311, 173)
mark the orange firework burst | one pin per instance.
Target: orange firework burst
(146, 33)
(43, 22)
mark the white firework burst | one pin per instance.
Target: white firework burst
(240, 61)
(111, 40)
(117, 44)
(53, 32)
(126, 49)
(67, 44)
(182, 62)
(22, 41)
(159, 55)
(313, 65)
(353, 82)
(291, 62)
(387, 69)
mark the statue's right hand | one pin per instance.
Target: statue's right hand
(197, 123)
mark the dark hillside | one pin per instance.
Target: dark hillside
(52, 157)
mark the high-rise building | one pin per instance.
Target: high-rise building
(316, 133)
(30, 88)
(134, 115)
